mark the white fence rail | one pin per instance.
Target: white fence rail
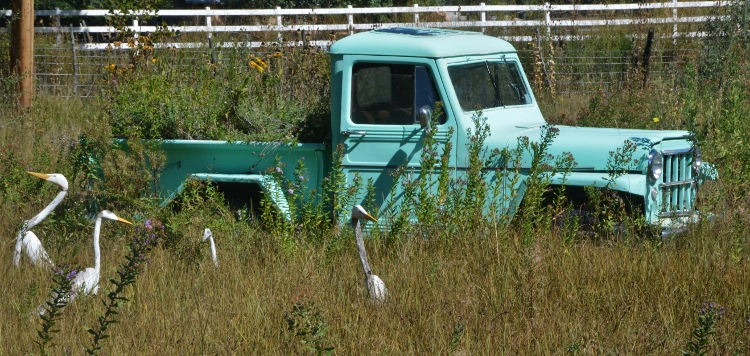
(283, 20)
(77, 64)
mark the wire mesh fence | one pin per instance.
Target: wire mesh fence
(64, 68)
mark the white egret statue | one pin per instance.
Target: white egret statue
(208, 235)
(374, 284)
(87, 281)
(28, 241)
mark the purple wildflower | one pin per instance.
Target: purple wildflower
(71, 275)
(290, 191)
(278, 170)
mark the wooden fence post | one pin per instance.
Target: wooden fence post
(647, 54)
(22, 50)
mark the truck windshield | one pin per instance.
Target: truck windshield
(488, 84)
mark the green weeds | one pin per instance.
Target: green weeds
(307, 323)
(51, 311)
(509, 280)
(128, 272)
(700, 342)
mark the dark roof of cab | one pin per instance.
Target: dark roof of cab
(420, 42)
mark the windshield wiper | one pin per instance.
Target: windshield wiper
(513, 85)
(494, 84)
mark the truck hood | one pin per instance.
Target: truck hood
(591, 147)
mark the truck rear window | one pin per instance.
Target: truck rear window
(488, 84)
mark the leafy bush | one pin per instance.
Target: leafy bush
(247, 95)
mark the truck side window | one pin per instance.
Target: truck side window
(386, 94)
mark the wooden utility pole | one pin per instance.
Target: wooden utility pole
(22, 49)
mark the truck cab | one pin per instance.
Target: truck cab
(389, 85)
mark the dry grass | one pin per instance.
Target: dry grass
(476, 293)
(617, 297)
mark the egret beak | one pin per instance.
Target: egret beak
(39, 175)
(123, 220)
(369, 217)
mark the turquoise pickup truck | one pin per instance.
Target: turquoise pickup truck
(390, 85)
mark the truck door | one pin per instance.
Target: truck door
(381, 128)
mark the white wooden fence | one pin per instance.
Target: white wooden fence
(479, 16)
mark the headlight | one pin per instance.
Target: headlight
(655, 165)
(697, 161)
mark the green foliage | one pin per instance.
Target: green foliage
(474, 199)
(247, 95)
(14, 182)
(278, 224)
(610, 213)
(52, 311)
(307, 322)
(8, 90)
(315, 213)
(727, 36)
(504, 191)
(131, 176)
(458, 330)
(215, 101)
(700, 342)
(200, 205)
(541, 170)
(123, 12)
(128, 272)
(717, 103)
(339, 195)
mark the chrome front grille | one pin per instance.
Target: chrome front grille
(678, 185)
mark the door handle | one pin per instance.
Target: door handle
(349, 133)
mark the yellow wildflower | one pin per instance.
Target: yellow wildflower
(656, 119)
(153, 60)
(110, 67)
(260, 62)
(256, 66)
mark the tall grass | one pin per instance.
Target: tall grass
(640, 299)
(484, 288)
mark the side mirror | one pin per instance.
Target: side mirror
(425, 116)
